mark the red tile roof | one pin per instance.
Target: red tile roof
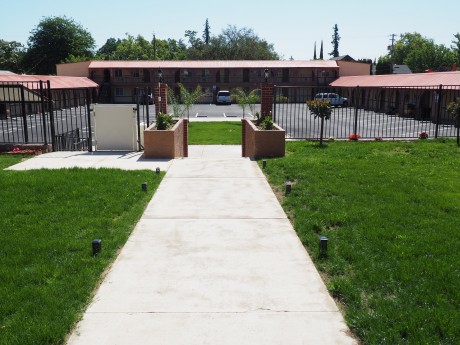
(400, 80)
(216, 64)
(56, 82)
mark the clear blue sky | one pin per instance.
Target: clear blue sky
(291, 25)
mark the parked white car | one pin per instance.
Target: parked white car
(334, 99)
(223, 97)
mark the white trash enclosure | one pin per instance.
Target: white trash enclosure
(115, 127)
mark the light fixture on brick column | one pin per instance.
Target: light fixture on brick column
(160, 75)
(266, 74)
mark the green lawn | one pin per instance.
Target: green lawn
(48, 219)
(215, 133)
(391, 212)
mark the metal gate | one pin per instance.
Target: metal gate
(33, 113)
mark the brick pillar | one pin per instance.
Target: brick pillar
(164, 98)
(243, 137)
(266, 104)
(185, 137)
(160, 90)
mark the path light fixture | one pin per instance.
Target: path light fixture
(264, 163)
(144, 186)
(266, 74)
(157, 170)
(288, 187)
(323, 247)
(97, 246)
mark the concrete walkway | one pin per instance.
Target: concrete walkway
(214, 260)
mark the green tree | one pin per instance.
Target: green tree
(133, 48)
(206, 32)
(314, 52)
(421, 53)
(53, 41)
(11, 56)
(245, 99)
(184, 101)
(456, 48)
(335, 42)
(383, 65)
(321, 54)
(239, 44)
(107, 51)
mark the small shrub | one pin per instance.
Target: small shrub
(354, 137)
(267, 123)
(164, 121)
(423, 135)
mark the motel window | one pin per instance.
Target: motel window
(136, 73)
(204, 74)
(119, 91)
(118, 73)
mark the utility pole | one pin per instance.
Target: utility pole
(390, 48)
(154, 47)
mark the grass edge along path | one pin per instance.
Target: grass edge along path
(48, 219)
(391, 213)
(215, 133)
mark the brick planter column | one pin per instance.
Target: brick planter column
(266, 105)
(160, 90)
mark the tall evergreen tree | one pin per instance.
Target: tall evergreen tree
(314, 52)
(206, 32)
(321, 57)
(335, 42)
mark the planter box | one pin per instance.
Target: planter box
(261, 143)
(170, 143)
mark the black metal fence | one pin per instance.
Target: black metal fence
(33, 113)
(386, 113)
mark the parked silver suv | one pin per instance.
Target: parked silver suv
(223, 97)
(333, 98)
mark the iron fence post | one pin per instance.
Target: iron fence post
(438, 111)
(24, 115)
(88, 112)
(355, 125)
(42, 102)
(275, 90)
(138, 111)
(51, 111)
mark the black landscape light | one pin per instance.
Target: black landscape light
(144, 186)
(157, 170)
(288, 187)
(97, 246)
(323, 247)
(264, 163)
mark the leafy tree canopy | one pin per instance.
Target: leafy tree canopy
(231, 44)
(53, 41)
(11, 56)
(421, 53)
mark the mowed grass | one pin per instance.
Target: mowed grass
(391, 213)
(48, 219)
(215, 133)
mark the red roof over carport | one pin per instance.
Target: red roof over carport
(56, 82)
(400, 80)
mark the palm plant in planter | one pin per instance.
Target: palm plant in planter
(184, 101)
(322, 109)
(245, 98)
(164, 121)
